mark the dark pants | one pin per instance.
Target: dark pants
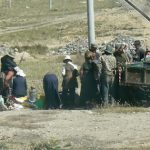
(107, 89)
(68, 97)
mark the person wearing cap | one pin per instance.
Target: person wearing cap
(120, 55)
(88, 82)
(139, 51)
(107, 76)
(19, 84)
(121, 59)
(93, 48)
(69, 83)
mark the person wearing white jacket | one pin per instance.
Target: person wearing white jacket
(69, 84)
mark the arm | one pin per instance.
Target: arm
(8, 77)
(63, 71)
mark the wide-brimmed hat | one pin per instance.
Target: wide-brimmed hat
(109, 49)
(11, 55)
(67, 57)
(117, 46)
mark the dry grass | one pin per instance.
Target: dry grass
(109, 23)
(122, 109)
(45, 145)
(36, 69)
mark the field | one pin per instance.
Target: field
(30, 26)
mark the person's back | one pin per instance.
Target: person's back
(19, 85)
(88, 82)
(107, 78)
(108, 64)
(50, 86)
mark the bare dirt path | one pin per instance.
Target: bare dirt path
(44, 23)
(76, 129)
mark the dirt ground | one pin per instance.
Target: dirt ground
(75, 129)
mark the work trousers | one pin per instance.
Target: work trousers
(107, 87)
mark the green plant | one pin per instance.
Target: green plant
(45, 145)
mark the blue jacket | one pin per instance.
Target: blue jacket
(19, 86)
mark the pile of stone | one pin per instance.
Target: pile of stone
(81, 45)
(77, 46)
(122, 39)
(4, 50)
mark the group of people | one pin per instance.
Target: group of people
(12, 79)
(99, 77)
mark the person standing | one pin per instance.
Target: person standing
(96, 65)
(121, 59)
(50, 86)
(69, 83)
(108, 62)
(88, 82)
(139, 51)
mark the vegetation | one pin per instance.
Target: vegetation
(45, 145)
(35, 24)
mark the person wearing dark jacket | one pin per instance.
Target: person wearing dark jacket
(52, 97)
(88, 82)
(140, 52)
(19, 84)
(7, 63)
(8, 66)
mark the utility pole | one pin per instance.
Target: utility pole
(91, 22)
(8, 3)
(50, 4)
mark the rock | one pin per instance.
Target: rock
(81, 45)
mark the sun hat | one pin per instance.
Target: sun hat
(109, 49)
(10, 54)
(67, 57)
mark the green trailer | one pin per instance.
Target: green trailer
(135, 82)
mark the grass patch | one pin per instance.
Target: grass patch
(35, 70)
(31, 12)
(46, 145)
(34, 49)
(3, 146)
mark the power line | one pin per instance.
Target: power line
(140, 11)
